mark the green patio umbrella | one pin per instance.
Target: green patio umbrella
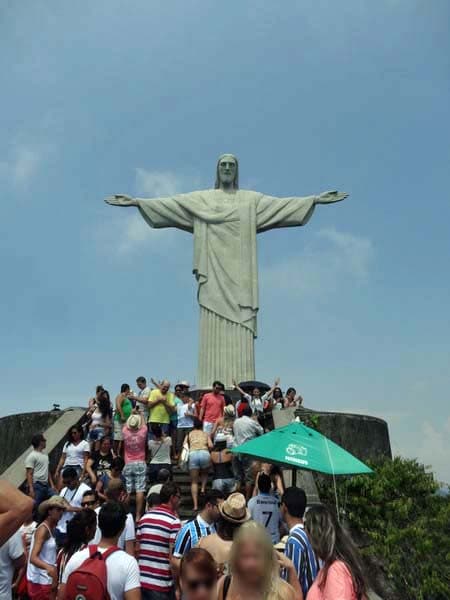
(300, 447)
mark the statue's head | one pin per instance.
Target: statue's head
(227, 172)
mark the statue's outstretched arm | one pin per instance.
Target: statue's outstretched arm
(330, 197)
(121, 200)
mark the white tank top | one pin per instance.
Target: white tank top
(96, 419)
(47, 554)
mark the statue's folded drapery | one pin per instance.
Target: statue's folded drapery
(225, 225)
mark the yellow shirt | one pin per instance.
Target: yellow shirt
(159, 414)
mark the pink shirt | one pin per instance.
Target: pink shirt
(134, 444)
(339, 585)
(213, 405)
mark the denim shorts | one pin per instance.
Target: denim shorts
(96, 434)
(227, 486)
(135, 476)
(199, 459)
(207, 427)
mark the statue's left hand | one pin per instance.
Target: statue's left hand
(329, 197)
(121, 200)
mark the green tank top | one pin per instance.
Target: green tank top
(127, 407)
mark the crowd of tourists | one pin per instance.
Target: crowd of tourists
(108, 522)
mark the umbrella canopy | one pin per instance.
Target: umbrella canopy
(249, 386)
(299, 446)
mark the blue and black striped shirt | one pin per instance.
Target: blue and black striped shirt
(190, 535)
(299, 550)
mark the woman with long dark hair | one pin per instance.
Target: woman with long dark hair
(342, 575)
(277, 399)
(100, 416)
(93, 401)
(80, 530)
(75, 454)
(100, 462)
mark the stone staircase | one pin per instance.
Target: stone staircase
(183, 480)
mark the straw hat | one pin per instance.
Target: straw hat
(134, 421)
(234, 509)
(53, 502)
(228, 411)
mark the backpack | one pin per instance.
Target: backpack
(88, 582)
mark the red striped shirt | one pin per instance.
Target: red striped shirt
(156, 534)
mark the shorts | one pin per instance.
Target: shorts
(199, 460)
(39, 591)
(135, 476)
(226, 486)
(207, 427)
(95, 434)
(118, 435)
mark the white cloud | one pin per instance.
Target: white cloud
(130, 229)
(331, 258)
(22, 164)
(353, 253)
(157, 184)
(433, 448)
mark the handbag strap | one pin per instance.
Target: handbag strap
(159, 448)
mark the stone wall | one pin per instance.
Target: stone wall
(365, 437)
(16, 432)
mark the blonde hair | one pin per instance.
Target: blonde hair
(255, 532)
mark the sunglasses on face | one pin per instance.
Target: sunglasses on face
(195, 584)
(87, 503)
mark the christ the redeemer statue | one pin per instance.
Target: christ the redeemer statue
(225, 222)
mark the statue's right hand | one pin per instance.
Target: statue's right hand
(121, 200)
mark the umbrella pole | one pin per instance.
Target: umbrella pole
(294, 477)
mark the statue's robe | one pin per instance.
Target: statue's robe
(225, 225)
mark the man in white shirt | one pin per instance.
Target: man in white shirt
(142, 397)
(245, 428)
(73, 491)
(12, 558)
(122, 571)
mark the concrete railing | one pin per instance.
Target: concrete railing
(58, 423)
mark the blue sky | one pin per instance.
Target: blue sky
(141, 97)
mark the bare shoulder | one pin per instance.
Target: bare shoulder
(286, 590)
